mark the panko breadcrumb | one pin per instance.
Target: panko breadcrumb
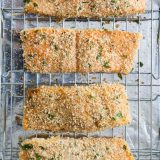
(85, 8)
(56, 148)
(76, 108)
(48, 50)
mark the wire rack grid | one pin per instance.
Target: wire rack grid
(142, 84)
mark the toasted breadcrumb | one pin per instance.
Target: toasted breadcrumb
(88, 8)
(56, 148)
(76, 108)
(48, 50)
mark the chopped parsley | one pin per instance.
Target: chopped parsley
(93, 7)
(107, 148)
(50, 96)
(50, 116)
(35, 4)
(44, 62)
(85, 2)
(90, 96)
(38, 157)
(140, 64)
(120, 76)
(80, 8)
(116, 99)
(124, 147)
(118, 115)
(89, 65)
(26, 1)
(27, 146)
(106, 64)
(24, 34)
(98, 57)
(124, 56)
(42, 36)
(55, 47)
(96, 156)
(30, 56)
(114, 1)
(41, 147)
(132, 69)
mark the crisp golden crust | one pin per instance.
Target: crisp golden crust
(70, 148)
(67, 50)
(88, 8)
(106, 51)
(76, 108)
(49, 50)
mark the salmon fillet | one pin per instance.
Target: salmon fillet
(75, 149)
(76, 108)
(85, 8)
(48, 50)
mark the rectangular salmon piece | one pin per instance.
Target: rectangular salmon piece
(106, 51)
(85, 8)
(76, 108)
(75, 148)
(49, 50)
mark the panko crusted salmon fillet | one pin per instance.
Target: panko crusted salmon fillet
(75, 149)
(76, 108)
(49, 50)
(85, 8)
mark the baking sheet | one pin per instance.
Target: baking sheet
(146, 117)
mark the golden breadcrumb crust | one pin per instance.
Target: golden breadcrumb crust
(85, 8)
(48, 50)
(56, 148)
(76, 108)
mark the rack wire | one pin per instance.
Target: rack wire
(15, 79)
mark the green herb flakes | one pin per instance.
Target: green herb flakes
(25, 35)
(41, 147)
(38, 157)
(89, 65)
(30, 56)
(118, 115)
(27, 146)
(140, 64)
(132, 69)
(106, 64)
(124, 56)
(113, 2)
(26, 1)
(120, 76)
(124, 147)
(35, 4)
(107, 148)
(90, 96)
(93, 7)
(56, 47)
(80, 8)
(50, 116)
(98, 57)
(44, 63)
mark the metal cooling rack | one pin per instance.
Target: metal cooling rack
(142, 84)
